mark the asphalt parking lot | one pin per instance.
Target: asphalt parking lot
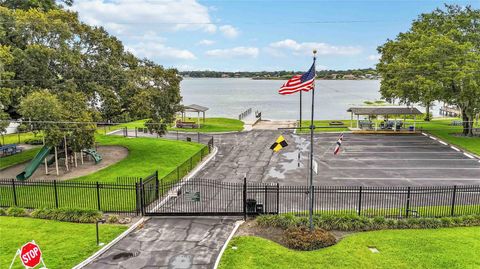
(364, 160)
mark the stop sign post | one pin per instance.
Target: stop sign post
(30, 255)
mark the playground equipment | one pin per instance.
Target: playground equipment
(33, 165)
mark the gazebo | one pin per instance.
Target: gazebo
(194, 108)
(385, 111)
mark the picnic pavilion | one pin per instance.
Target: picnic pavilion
(395, 112)
(194, 108)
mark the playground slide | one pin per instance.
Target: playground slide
(97, 157)
(33, 165)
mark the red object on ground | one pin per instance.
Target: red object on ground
(30, 255)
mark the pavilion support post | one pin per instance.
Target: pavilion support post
(414, 123)
(203, 117)
(358, 121)
(198, 118)
(395, 124)
(351, 119)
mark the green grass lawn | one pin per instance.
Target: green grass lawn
(18, 138)
(145, 155)
(443, 129)
(324, 123)
(63, 244)
(18, 158)
(212, 125)
(441, 248)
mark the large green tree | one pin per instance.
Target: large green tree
(436, 60)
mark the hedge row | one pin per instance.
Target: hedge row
(60, 214)
(362, 223)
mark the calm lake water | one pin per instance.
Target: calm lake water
(228, 97)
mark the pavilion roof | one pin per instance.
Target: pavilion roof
(384, 110)
(194, 108)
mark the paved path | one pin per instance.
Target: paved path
(173, 243)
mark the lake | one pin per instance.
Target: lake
(228, 97)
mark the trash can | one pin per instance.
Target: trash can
(189, 139)
(251, 206)
(410, 128)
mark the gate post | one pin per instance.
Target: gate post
(98, 196)
(14, 192)
(360, 201)
(408, 202)
(156, 184)
(56, 193)
(141, 197)
(245, 198)
(265, 200)
(278, 198)
(453, 200)
(137, 200)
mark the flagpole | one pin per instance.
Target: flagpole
(300, 124)
(312, 128)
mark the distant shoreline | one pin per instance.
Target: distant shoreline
(277, 78)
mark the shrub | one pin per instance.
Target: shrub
(112, 219)
(301, 238)
(17, 212)
(68, 214)
(363, 223)
(2, 212)
(34, 141)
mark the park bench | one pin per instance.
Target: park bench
(365, 124)
(457, 123)
(336, 123)
(186, 124)
(10, 149)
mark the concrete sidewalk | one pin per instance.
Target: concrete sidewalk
(171, 243)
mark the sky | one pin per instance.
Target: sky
(256, 35)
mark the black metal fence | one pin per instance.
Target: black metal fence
(211, 197)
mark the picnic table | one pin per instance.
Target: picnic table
(186, 124)
(10, 149)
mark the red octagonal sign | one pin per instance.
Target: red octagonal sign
(30, 255)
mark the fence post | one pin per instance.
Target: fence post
(360, 201)
(453, 200)
(98, 196)
(141, 197)
(408, 202)
(137, 207)
(14, 192)
(278, 198)
(156, 184)
(178, 173)
(245, 198)
(56, 193)
(265, 200)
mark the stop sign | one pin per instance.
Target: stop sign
(30, 254)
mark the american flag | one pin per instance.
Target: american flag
(298, 83)
(339, 143)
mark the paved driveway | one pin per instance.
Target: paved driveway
(173, 243)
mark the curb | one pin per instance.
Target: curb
(109, 245)
(452, 146)
(219, 257)
(143, 219)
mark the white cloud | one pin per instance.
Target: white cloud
(159, 15)
(308, 47)
(155, 50)
(229, 31)
(374, 57)
(234, 52)
(206, 42)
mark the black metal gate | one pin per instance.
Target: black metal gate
(203, 197)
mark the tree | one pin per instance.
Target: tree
(437, 59)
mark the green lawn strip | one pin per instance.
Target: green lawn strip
(145, 156)
(130, 125)
(324, 123)
(439, 248)
(21, 157)
(443, 129)
(18, 138)
(63, 244)
(212, 125)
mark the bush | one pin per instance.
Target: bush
(16, 212)
(112, 219)
(34, 141)
(362, 223)
(68, 214)
(301, 238)
(2, 212)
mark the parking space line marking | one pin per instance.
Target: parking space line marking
(441, 142)
(433, 138)
(454, 148)
(402, 178)
(468, 155)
